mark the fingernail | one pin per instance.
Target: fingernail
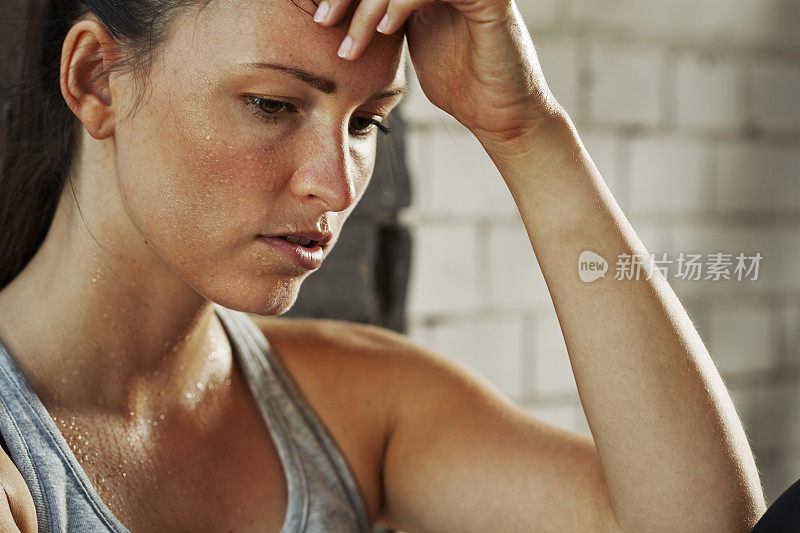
(344, 49)
(322, 12)
(384, 23)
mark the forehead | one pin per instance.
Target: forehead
(227, 32)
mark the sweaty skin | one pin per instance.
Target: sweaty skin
(176, 196)
(111, 321)
(172, 199)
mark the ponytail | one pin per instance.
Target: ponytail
(40, 136)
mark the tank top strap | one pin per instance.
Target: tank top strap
(63, 496)
(323, 492)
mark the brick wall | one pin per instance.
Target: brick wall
(691, 111)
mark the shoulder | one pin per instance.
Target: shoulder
(388, 370)
(344, 371)
(444, 434)
(384, 355)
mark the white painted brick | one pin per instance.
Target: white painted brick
(777, 416)
(744, 22)
(778, 270)
(791, 317)
(422, 333)
(778, 477)
(539, 14)
(745, 401)
(559, 62)
(709, 93)
(667, 174)
(552, 371)
(490, 346)
(741, 339)
(625, 85)
(418, 162)
(444, 276)
(770, 414)
(755, 177)
(464, 180)
(774, 87)
(515, 279)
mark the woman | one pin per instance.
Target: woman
(201, 135)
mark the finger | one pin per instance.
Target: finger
(362, 27)
(398, 11)
(329, 12)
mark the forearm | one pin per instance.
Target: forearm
(672, 447)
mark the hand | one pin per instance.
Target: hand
(474, 59)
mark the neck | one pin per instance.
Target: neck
(100, 322)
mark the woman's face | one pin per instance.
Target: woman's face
(209, 161)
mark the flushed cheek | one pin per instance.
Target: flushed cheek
(239, 179)
(197, 205)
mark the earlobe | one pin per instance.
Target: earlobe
(86, 56)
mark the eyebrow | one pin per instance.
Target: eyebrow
(318, 82)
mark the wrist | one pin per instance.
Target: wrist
(531, 143)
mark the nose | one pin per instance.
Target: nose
(327, 173)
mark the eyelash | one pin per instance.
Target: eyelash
(254, 101)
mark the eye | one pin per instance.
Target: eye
(267, 108)
(364, 126)
(271, 110)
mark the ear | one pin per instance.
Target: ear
(89, 50)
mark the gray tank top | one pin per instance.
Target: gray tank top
(323, 492)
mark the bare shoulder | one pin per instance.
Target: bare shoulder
(340, 369)
(381, 361)
(458, 454)
(455, 453)
(351, 367)
(17, 511)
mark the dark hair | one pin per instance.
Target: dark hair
(41, 133)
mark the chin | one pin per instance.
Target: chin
(264, 297)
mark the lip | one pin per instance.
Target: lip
(309, 258)
(319, 238)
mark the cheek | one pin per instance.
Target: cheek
(195, 189)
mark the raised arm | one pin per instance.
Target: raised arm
(674, 453)
(671, 452)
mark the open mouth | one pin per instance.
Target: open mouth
(302, 241)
